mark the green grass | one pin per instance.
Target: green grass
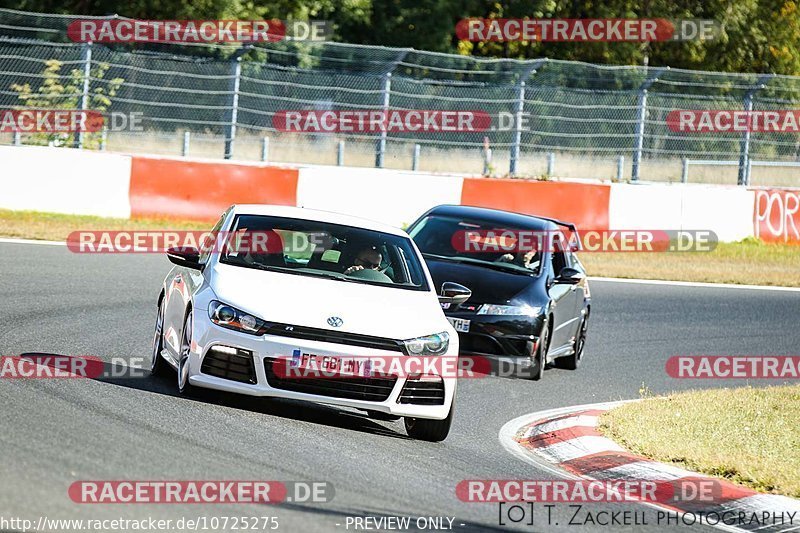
(745, 435)
(748, 262)
(56, 227)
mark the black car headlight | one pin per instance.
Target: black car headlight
(495, 309)
(229, 317)
(435, 344)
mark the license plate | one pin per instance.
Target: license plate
(461, 324)
(331, 364)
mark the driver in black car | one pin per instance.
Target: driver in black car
(368, 258)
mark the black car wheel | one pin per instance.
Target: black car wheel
(157, 364)
(572, 362)
(430, 430)
(539, 358)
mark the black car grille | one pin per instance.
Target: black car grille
(235, 367)
(338, 337)
(376, 389)
(423, 392)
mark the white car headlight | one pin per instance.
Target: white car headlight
(229, 317)
(435, 344)
(494, 309)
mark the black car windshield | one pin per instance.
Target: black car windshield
(322, 249)
(475, 242)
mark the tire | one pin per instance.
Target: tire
(539, 359)
(184, 387)
(572, 362)
(429, 430)
(158, 367)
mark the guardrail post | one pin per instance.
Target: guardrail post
(487, 161)
(186, 139)
(744, 146)
(415, 158)
(551, 164)
(620, 167)
(86, 58)
(380, 151)
(685, 171)
(233, 112)
(17, 138)
(514, 160)
(640, 120)
(104, 138)
(265, 149)
(340, 154)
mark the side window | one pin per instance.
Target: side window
(207, 246)
(559, 256)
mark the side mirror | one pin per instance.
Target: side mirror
(454, 294)
(188, 257)
(569, 276)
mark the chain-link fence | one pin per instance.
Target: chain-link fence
(583, 120)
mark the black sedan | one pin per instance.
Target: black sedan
(530, 301)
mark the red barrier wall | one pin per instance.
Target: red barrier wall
(777, 215)
(586, 205)
(203, 190)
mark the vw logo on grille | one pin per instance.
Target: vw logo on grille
(335, 321)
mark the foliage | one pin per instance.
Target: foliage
(65, 91)
(757, 35)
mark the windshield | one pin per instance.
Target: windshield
(322, 249)
(438, 237)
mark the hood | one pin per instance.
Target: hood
(309, 301)
(487, 285)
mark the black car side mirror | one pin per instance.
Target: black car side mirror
(187, 256)
(454, 294)
(569, 276)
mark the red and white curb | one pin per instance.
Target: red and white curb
(567, 443)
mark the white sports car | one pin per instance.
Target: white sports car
(325, 286)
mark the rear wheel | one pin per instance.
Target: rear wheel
(430, 430)
(572, 362)
(157, 364)
(184, 387)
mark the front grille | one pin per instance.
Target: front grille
(326, 335)
(229, 363)
(375, 389)
(479, 343)
(423, 392)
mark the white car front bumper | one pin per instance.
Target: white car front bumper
(270, 347)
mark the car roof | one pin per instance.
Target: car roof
(505, 219)
(316, 215)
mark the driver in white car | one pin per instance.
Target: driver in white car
(367, 258)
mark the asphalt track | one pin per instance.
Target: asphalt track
(54, 432)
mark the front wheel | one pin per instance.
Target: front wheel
(157, 364)
(184, 387)
(430, 430)
(539, 357)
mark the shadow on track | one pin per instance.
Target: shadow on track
(140, 379)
